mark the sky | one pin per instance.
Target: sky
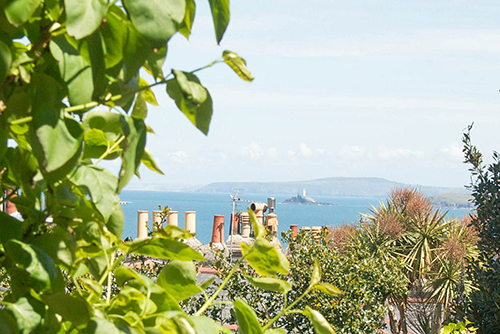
(342, 88)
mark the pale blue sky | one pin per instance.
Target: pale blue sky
(342, 88)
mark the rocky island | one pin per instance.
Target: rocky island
(303, 199)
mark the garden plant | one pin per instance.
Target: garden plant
(75, 82)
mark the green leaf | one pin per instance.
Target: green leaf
(70, 308)
(156, 20)
(83, 17)
(275, 331)
(207, 283)
(116, 221)
(8, 323)
(156, 60)
(328, 289)
(95, 137)
(179, 279)
(316, 274)
(204, 325)
(124, 274)
(99, 325)
(220, 16)
(264, 258)
(100, 184)
(321, 326)
(148, 161)
(140, 109)
(10, 228)
(26, 317)
(247, 319)
(270, 284)
(96, 54)
(191, 98)
(165, 249)
(187, 23)
(134, 130)
(5, 61)
(56, 247)
(238, 65)
(57, 138)
(34, 261)
(258, 229)
(149, 96)
(107, 122)
(19, 11)
(75, 71)
(114, 35)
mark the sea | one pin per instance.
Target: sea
(343, 210)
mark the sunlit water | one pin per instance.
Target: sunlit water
(344, 210)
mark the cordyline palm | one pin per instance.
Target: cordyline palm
(457, 250)
(382, 231)
(419, 244)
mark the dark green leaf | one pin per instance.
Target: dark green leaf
(26, 317)
(328, 288)
(96, 53)
(179, 279)
(33, 260)
(56, 247)
(238, 64)
(10, 228)
(19, 11)
(190, 87)
(83, 17)
(70, 308)
(8, 323)
(270, 284)
(187, 23)
(100, 184)
(165, 249)
(134, 130)
(220, 16)
(156, 20)
(321, 326)
(264, 258)
(5, 61)
(75, 71)
(140, 109)
(114, 34)
(192, 99)
(247, 319)
(155, 62)
(116, 221)
(57, 137)
(148, 161)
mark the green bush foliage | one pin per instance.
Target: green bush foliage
(352, 296)
(482, 305)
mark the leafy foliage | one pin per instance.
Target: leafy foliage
(71, 96)
(481, 306)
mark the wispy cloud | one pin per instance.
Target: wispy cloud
(391, 154)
